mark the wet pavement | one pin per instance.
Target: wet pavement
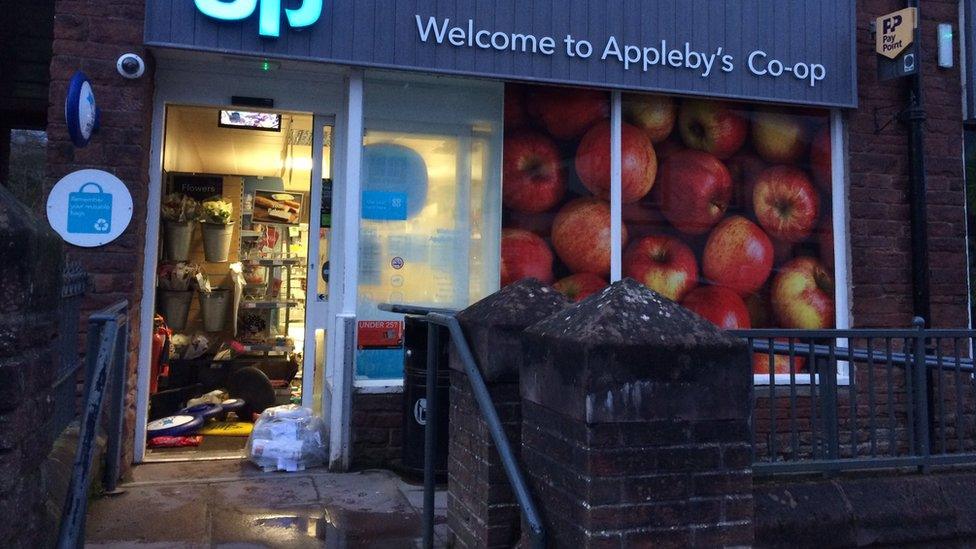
(230, 504)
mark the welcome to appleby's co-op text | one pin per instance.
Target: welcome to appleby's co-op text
(631, 56)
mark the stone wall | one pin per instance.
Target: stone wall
(30, 289)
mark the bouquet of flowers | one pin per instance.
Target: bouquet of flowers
(179, 277)
(217, 211)
(180, 208)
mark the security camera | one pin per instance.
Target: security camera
(131, 66)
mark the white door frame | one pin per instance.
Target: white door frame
(211, 80)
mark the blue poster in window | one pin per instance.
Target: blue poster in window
(89, 212)
(384, 206)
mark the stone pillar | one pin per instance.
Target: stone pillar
(635, 425)
(481, 509)
(30, 289)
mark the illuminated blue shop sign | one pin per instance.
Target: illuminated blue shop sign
(269, 16)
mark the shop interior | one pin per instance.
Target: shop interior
(229, 328)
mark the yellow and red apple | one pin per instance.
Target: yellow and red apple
(581, 235)
(786, 203)
(663, 264)
(655, 115)
(778, 136)
(802, 295)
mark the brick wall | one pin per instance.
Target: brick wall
(377, 429)
(90, 36)
(879, 166)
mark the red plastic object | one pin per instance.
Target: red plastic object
(160, 340)
(175, 442)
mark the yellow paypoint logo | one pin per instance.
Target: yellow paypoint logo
(894, 32)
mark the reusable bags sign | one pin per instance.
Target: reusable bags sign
(89, 208)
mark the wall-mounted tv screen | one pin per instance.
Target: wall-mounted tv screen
(250, 120)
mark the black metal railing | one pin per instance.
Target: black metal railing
(106, 358)
(65, 387)
(830, 400)
(441, 318)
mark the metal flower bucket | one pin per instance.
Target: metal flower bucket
(213, 308)
(177, 236)
(175, 306)
(216, 241)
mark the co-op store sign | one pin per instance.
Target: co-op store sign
(791, 52)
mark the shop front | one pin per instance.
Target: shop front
(314, 160)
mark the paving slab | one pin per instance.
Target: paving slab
(233, 505)
(151, 514)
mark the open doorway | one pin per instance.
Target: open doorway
(231, 311)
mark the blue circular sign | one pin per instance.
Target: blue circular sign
(80, 112)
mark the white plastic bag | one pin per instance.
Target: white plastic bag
(287, 438)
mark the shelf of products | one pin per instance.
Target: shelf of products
(269, 304)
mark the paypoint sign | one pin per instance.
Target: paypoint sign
(894, 32)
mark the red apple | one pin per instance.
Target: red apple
(826, 242)
(579, 286)
(820, 158)
(803, 295)
(786, 203)
(581, 236)
(778, 136)
(533, 179)
(738, 255)
(524, 255)
(566, 113)
(720, 306)
(638, 162)
(663, 264)
(515, 115)
(745, 167)
(653, 114)
(712, 126)
(696, 189)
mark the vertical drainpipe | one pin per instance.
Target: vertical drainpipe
(915, 116)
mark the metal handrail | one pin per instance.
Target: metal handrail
(108, 344)
(445, 318)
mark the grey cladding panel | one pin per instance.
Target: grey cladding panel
(384, 33)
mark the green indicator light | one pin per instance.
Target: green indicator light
(265, 65)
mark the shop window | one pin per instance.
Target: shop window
(429, 197)
(726, 207)
(556, 188)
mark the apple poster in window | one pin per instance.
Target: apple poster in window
(282, 207)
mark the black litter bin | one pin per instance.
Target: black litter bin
(415, 416)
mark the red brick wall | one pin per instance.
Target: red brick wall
(879, 208)
(90, 36)
(377, 429)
